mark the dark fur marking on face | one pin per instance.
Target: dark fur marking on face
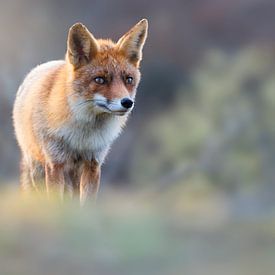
(133, 56)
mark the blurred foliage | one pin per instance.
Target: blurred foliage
(221, 126)
(128, 234)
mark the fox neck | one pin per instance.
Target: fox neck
(92, 138)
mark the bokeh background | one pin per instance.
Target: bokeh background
(189, 187)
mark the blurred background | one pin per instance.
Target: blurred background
(189, 187)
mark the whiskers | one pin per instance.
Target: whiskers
(82, 107)
(84, 103)
(96, 102)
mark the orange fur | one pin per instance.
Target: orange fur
(67, 113)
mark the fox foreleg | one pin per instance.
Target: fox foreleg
(89, 181)
(55, 179)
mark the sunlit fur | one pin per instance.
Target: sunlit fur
(60, 125)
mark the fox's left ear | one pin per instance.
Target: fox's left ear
(131, 43)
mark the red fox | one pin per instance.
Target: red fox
(68, 112)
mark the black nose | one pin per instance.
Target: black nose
(126, 102)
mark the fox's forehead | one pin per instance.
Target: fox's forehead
(110, 60)
(105, 44)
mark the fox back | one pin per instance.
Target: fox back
(67, 113)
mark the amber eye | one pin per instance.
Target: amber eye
(129, 80)
(100, 80)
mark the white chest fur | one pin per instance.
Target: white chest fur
(91, 137)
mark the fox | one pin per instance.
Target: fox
(67, 113)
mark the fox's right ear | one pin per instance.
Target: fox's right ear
(131, 43)
(81, 45)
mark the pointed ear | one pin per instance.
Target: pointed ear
(81, 45)
(132, 42)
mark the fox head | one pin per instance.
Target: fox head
(104, 75)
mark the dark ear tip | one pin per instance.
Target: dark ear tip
(78, 26)
(144, 22)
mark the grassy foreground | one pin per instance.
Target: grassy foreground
(127, 234)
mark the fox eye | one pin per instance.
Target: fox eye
(100, 80)
(129, 80)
